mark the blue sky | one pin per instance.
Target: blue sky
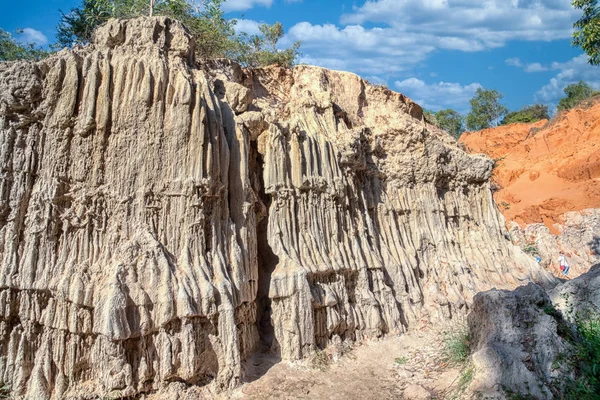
(438, 52)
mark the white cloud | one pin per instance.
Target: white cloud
(437, 96)
(376, 80)
(532, 67)
(375, 51)
(513, 62)
(242, 5)
(397, 35)
(572, 71)
(488, 24)
(535, 67)
(247, 26)
(30, 35)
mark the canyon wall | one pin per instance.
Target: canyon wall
(547, 180)
(161, 219)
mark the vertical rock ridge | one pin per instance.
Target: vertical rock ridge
(159, 219)
(376, 221)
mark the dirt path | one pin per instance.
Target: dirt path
(407, 366)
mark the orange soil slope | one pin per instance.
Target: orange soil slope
(547, 168)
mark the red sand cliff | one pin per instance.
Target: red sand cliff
(547, 168)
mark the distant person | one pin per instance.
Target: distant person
(564, 263)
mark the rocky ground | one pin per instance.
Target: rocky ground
(578, 237)
(521, 344)
(409, 366)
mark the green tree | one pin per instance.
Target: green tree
(486, 109)
(77, 26)
(215, 35)
(450, 121)
(534, 113)
(587, 29)
(575, 93)
(11, 50)
(261, 50)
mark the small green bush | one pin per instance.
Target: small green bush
(401, 360)
(464, 381)
(466, 377)
(559, 361)
(457, 346)
(575, 94)
(551, 311)
(586, 359)
(456, 352)
(534, 113)
(531, 249)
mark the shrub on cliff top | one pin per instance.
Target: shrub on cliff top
(575, 93)
(533, 113)
(261, 50)
(215, 35)
(450, 121)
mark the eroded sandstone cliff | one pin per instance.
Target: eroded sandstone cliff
(547, 168)
(547, 175)
(159, 219)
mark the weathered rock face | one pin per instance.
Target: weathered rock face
(580, 295)
(123, 262)
(515, 343)
(523, 341)
(578, 237)
(375, 221)
(157, 219)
